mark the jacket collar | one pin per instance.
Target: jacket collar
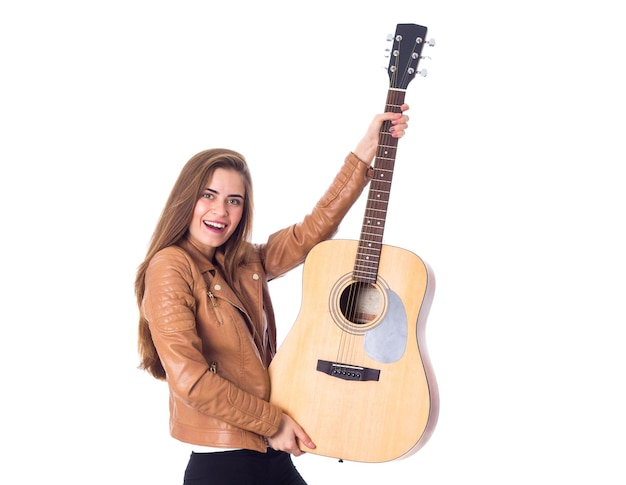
(204, 264)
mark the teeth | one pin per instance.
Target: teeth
(215, 225)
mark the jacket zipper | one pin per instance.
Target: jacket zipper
(220, 320)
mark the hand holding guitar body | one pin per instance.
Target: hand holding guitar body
(288, 436)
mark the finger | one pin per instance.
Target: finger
(305, 439)
(297, 452)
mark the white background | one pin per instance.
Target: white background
(509, 183)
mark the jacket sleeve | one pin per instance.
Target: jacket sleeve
(288, 247)
(169, 306)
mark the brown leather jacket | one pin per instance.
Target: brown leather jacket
(216, 372)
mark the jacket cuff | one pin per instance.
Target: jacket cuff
(369, 170)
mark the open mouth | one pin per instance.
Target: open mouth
(218, 226)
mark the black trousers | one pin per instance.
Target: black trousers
(242, 467)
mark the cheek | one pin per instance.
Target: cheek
(198, 211)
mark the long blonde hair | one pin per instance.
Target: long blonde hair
(173, 225)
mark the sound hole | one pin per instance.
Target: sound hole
(361, 303)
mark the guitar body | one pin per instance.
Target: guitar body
(359, 381)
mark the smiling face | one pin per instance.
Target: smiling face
(218, 210)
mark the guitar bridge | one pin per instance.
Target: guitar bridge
(348, 372)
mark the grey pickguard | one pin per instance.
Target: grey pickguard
(387, 341)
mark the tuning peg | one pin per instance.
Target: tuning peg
(423, 72)
(431, 42)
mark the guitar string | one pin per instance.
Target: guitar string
(370, 247)
(370, 237)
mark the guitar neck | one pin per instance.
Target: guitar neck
(405, 55)
(371, 241)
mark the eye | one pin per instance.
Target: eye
(235, 201)
(208, 195)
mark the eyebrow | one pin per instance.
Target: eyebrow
(208, 189)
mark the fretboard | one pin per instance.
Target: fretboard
(371, 241)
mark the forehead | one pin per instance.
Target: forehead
(226, 181)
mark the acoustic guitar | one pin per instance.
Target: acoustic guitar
(353, 370)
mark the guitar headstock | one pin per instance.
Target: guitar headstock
(406, 53)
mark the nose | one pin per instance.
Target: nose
(219, 209)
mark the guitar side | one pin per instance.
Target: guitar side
(318, 373)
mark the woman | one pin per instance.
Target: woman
(206, 319)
